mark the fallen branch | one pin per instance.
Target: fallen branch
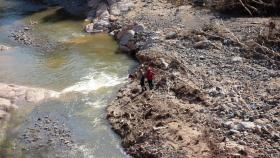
(248, 10)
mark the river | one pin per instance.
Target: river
(86, 69)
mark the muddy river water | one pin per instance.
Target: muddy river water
(84, 68)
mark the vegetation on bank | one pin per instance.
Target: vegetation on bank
(245, 7)
(252, 7)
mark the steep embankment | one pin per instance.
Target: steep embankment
(217, 91)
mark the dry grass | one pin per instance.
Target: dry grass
(263, 46)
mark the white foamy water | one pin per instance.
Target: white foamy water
(97, 104)
(94, 82)
(87, 151)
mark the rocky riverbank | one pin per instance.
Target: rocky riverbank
(217, 86)
(214, 95)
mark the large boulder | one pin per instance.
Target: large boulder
(13, 96)
(126, 36)
(102, 20)
(114, 10)
(129, 35)
(19, 94)
(98, 26)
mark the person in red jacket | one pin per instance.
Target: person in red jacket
(150, 77)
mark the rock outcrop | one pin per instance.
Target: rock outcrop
(127, 37)
(14, 96)
(103, 14)
(4, 48)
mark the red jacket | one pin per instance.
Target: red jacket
(150, 75)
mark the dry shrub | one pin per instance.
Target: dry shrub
(263, 47)
(253, 7)
(270, 35)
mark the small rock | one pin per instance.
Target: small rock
(112, 33)
(241, 142)
(202, 44)
(138, 28)
(258, 129)
(246, 126)
(113, 18)
(201, 57)
(232, 132)
(171, 35)
(26, 28)
(164, 63)
(237, 59)
(228, 124)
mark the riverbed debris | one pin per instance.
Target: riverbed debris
(47, 133)
(25, 35)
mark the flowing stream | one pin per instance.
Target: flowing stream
(86, 70)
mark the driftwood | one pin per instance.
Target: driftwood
(250, 6)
